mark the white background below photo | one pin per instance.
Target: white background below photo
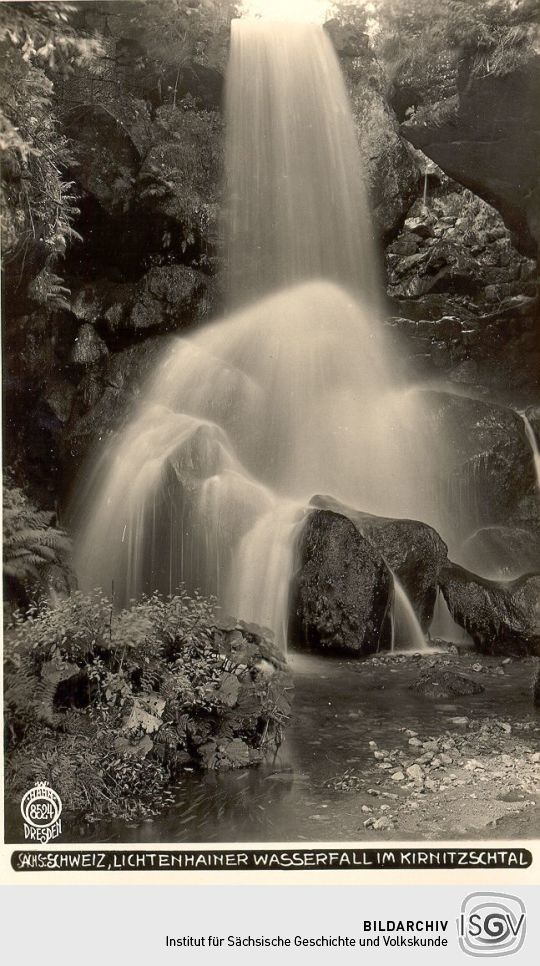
(54, 926)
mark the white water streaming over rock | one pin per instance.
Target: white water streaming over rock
(290, 395)
(406, 631)
(535, 450)
(444, 627)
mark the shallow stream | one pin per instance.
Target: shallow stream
(339, 707)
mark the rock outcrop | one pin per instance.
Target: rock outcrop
(103, 399)
(498, 349)
(413, 550)
(454, 243)
(491, 145)
(501, 617)
(341, 591)
(167, 297)
(490, 469)
(465, 299)
(146, 171)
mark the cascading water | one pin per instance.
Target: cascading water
(444, 627)
(406, 629)
(296, 207)
(292, 394)
(533, 443)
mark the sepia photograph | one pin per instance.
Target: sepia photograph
(271, 421)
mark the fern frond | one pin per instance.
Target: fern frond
(32, 545)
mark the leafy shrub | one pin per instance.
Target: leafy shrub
(424, 46)
(36, 553)
(138, 693)
(37, 44)
(182, 171)
(186, 31)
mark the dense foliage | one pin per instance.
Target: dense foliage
(36, 552)
(186, 31)
(181, 173)
(119, 60)
(425, 48)
(37, 44)
(108, 706)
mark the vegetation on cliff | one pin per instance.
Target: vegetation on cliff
(427, 50)
(62, 62)
(112, 149)
(36, 555)
(37, 44)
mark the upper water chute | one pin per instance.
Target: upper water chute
(296, 206)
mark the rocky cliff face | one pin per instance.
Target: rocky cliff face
(464, 299)
(460, 263)
(147, 147)
(453, 243)
(491, 145)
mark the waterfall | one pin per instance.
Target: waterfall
(294, 391)
(444, 627)
(533, 443)
(296, 205)
(407, 635)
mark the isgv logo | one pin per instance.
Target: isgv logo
(41, 808)
(491, 924)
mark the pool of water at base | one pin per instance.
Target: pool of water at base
(339, 706)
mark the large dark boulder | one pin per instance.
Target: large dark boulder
(501, 617)
(445, 683)
(489, 468)
(342, 588)
(491, 145)
(413, 550)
